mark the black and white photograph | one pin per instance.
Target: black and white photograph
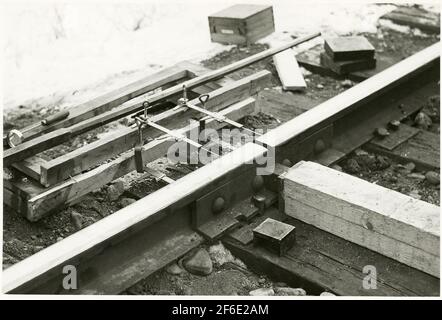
(246, 150)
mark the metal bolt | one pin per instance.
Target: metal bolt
(394, 124)
(218, 205)
(319, 146)
(257, 183)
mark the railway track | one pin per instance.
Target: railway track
(127, 246)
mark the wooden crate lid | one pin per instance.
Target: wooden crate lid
(349, 44)
(240, 11)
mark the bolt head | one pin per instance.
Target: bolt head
(257, 183)
(319, 146)
(218, 205)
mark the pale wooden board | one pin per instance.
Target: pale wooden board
(380, 219)
(112, 99)
(288, 70)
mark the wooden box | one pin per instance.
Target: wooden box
(349, 48)
(275, 235)
(241, 24)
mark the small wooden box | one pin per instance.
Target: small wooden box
(349, 48)
(275, 235)
(241, 24)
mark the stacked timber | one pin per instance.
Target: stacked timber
(288, 70)
(348, 54)
(388, 222)
(241, 24)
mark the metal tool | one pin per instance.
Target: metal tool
(142, 120)
(139, 163)
(215, 115)
(15, 137)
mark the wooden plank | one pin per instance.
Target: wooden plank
(321, 261)
(288, 70)
(349, 48)
(345, 67)
(423, 149)
(48, 200)
(174, 195)
(31, 166)
(83, 158)
(415, 18)
(112, 99)
(396, 137)
(341, 104)
(183, 69)
(45, 142)
(386, 221)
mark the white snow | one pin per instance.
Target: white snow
(64, 53)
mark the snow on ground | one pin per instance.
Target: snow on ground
(64, 53)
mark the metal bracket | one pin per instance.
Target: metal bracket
(227, 206)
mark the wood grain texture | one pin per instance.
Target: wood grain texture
(176, 194)
(388, 222)
(83, 158)
(112, 99)
(288, 70)
(349, 48)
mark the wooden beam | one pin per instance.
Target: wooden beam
(31, 166)
(385, 221)
(83, 158)
(42, 201)
(288, 71)
(174, 195)
(45, 142)
(415, 18)
(181, 71)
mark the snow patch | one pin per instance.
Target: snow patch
(66, 53)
